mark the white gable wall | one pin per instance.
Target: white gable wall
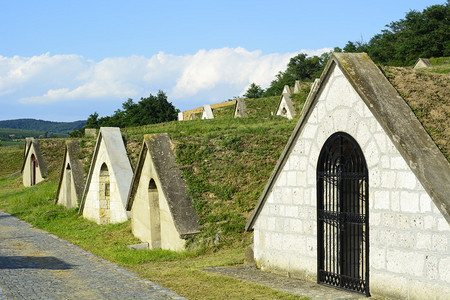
(140, 212)
(409, 238)
(283, 105)
(67, 186)
(117, 212)
(26, 175)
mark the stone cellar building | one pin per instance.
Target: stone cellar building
(34, 167)
(162, 214)
(360, 196)
(105, 193)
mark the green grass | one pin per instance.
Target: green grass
(178, 271)
(440, 65)
(226, 163)
(11, 160)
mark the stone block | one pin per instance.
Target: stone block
(431, 267)
(423, 240)
(442, 224)
(429, 222)
(439, 242)
(425, 203)
(391, 286)
(419, 289)
(141, 246)
(406, 180)
(406, 262)
(409, 202)
(444, 269)
(381, 199)
(395, 201)
(388, 179)
(310, 131)
(398, 163)
(377, 258)
(291, 211)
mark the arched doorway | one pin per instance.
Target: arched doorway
(155, 219)
(34, 165)
(343, 215)
(68, 186)
(104, 194)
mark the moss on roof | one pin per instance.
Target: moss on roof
(428, 95)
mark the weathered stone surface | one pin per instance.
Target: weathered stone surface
(408, 212)
(105, 193)
(161, 210)
(34, 167)
(71, 180)
(37, 265)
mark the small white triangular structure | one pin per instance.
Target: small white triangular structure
(161, 210)
(422, 63)
(297, 87)
(240, 109)
(70, 187)
(359, 172)
(286, 90)
(105, 194)
(207, 112)
(34, 168)
(286, 107)
(180, 116)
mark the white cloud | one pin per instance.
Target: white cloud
(206, 75)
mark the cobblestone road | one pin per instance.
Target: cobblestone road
(37, 265)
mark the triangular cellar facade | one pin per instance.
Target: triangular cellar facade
(286, 107)
(105, 193)
(34, 167)
(297, 87)
(360, 197)
(240, 109)
(161, 210)
(422, 63)
(71, 180)
(207, 112)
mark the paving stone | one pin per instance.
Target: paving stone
(285, 284)
(37, 265)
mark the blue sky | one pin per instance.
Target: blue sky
(63, 60)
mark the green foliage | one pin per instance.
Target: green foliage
(419, 34)
(300, 67)
(11, 136)
(254, 91)
(53, 128)
(150, 110)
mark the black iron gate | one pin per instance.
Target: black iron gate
(343, 215)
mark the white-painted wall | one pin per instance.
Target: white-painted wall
(140, 212)
(91, 209)
(26, 175)
(67, 187)
(409, 238)
(283, 105)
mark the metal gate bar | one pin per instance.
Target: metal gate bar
(342, 214)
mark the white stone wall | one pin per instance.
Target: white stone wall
(26, 175)
(283, 105)
(140, 212)
(63, 199)
(409, 238)
(117, 204)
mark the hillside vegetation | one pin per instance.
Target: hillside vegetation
(42, 126)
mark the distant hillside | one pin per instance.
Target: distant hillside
(44, 126)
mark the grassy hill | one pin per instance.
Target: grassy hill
(43, 126)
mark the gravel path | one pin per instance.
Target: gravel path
(37, 265)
